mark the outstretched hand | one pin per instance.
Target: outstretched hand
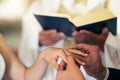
(51, 55)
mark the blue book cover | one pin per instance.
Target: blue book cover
(94, 23)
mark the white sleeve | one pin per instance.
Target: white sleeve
(112, 52)
(107, 74)
(29, 37)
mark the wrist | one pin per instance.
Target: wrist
(43, 57)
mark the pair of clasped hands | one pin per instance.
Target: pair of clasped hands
(70, 68)
(77, 55)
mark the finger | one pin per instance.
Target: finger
(62, 66)
(63, 55)
(76, 56)
(67, 52)
(46, 42)
(53, 38)
(86, 32)
(105, 31)
(76, 46)
(54, 63)
(74, 33)
(81, 46)
(62, 35)
(74, 51)
(79, 61)
(47, 32)
(56, 37)
(45, 38)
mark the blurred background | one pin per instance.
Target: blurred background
(11, 12)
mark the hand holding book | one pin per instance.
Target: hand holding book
(93, 22)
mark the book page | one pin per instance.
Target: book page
(92, 17)
(55, 15)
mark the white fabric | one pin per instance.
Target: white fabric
(114, 7)
(29, 44)
(48, 75)
(112, 46)
(31, 27)
(112, 52)
(2, 67)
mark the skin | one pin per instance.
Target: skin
(50, 37)
(72, 71)
(93, 64)
(84, 36)
(15, 70)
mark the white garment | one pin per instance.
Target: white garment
(2, 67)
(114, 7)
(29, 48)
(31, 27)
(112, 46)
(112, 52)
(52, 74)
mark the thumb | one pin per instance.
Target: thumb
(55, 64)
(105, 31)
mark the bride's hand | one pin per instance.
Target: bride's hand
(51, 55)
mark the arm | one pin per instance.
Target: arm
(17, 71)
(12, 63)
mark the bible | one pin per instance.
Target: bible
(93, 22)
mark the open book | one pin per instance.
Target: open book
(92, 22)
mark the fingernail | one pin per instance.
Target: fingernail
(83, 63)
(62, 34)
(86, 54)
(54, 31)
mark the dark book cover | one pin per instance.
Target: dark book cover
(62, 24)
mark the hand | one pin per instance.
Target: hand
(94, 66)
(72, 71)
(51, 56)
(84, 36)
(50, 37)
